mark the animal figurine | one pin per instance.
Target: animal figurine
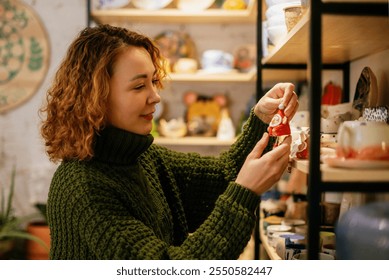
(203, 113)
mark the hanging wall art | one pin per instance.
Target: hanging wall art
(24, 53)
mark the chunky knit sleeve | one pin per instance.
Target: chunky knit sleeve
(226, 231)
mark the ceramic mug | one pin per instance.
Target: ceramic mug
(363, 141)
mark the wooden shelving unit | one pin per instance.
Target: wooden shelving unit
(219, 16)
(332, 33)
(171, 15)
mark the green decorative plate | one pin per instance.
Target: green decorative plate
(24, 53)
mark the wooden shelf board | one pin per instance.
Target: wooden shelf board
(248, 15)
(268, 75)
(213, 77)
(345, 175)
(345, 38)
(355, 175)
(193, 141)
(282, 75)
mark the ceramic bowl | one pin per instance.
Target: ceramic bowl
(276, 20)
(276, 33)
(185, 65)
(277, 228)
(150, 4)
(194, 5)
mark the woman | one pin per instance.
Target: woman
(116, 195)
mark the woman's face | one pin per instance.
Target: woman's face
(133, 92)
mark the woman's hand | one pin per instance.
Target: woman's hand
(281, 93)
(260, 172)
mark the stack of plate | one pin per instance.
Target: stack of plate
(275, 15)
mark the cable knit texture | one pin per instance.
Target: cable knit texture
(137, 200)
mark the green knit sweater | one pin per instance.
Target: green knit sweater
(136, 200)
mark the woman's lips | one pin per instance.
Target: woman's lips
(148, 117)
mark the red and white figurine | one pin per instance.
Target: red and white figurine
(279, 126)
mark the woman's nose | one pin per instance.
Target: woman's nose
(154, 96)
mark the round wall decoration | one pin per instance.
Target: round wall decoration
(24, 53)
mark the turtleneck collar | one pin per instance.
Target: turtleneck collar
(117, 146)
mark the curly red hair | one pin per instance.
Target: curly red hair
(77, 99)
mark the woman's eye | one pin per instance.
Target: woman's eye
(155, 81)
(138, 87)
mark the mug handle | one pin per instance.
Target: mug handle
(344, 141)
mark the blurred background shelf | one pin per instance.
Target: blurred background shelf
(213, 77)
(268, 75)
(207, 146)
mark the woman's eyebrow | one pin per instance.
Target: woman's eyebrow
(139, 76)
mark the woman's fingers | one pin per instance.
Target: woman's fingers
(260, 146)
(291, 106)
(282, 151)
